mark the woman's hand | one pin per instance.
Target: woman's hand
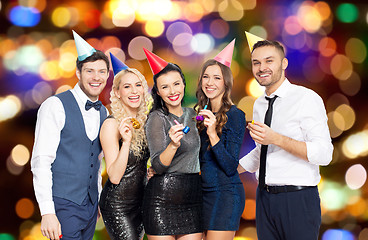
(125, 129)
(209, 121)
(150, 173)
(176, 134)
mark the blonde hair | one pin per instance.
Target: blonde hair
(139, 141)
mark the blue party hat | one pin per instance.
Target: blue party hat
(117, 65)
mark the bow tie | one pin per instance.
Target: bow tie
(97, 105)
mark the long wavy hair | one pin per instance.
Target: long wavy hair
(139, 141)
(158, 103)
(221, 117)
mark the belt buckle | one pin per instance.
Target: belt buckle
(267, 189)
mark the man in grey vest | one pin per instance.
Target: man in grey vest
(65, 164)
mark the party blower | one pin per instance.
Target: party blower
(200, 117)
(185, 130)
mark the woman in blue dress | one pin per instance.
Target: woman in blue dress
(221, 134)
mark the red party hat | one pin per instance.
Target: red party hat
(156, 63)
(226, 55)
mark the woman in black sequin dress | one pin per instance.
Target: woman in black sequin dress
(126, 154)
(172, 204)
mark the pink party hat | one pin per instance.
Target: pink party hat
(156, 63)
(226, 55)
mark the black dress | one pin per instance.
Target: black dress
(121, 204)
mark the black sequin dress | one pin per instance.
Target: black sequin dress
(121, 204)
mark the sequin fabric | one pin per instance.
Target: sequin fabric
(121, 204)
(172, 204)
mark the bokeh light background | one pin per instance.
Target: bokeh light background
(327, 49)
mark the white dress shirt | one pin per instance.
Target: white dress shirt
(50, 122)
(298, 113)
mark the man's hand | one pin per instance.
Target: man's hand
(262, 134)
(50, 226)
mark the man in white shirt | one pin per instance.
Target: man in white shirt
(65, 164)
(290, 125)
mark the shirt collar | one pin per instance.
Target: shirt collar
(282, 90)
(81, 95)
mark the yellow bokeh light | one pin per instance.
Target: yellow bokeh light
(20, 155)
(50, 70)
(333, 117)
(154, 28)
(175, 12)
(348, 114)
(123, 17)
(309, 17)
(9, 107)
(36, 233)
(356, 145)
(254, 89)
(246, 105)
(60, 16)
(231, 10)
(193, 12)
(67, 62)
(341, 67)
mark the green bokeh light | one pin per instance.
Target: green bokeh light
(6, 236)
(347, 12)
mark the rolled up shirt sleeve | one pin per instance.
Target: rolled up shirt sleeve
(250, 162)
(315, 131)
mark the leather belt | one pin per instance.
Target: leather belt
(286, 188)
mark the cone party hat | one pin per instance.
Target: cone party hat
(117, 65)
(252, 39)
(83, 48)
(156, 63)
(226, 55)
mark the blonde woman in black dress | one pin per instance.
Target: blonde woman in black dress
(126, 154)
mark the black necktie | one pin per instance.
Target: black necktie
(262, 167)
(97, 105)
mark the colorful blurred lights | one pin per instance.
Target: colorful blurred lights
(20, 155)
(154, 28)
(347, 12)
(356, 145)
(309, 17)
(356, 176)
(61, 16)
(24, 208)
(202, 43)
(337, 234)
(123, 17)
(24, 16)
(9, 107)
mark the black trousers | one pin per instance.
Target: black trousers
(288, 216)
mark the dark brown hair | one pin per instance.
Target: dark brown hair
(98, 55)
